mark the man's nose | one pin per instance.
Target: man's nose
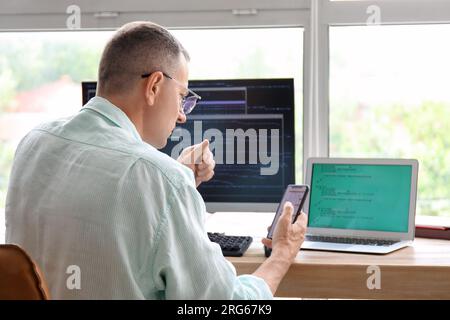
(181, 117)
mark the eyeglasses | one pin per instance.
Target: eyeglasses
(187, 103)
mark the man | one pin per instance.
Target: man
(108, 216)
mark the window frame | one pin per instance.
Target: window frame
(111, 14)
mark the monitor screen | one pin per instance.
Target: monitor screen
(89, 89)
(250, 126)
(370, 197)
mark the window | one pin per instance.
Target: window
(389, 98)
(40, 74)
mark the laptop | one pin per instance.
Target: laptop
(360, 205)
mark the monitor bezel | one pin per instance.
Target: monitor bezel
(401, 236)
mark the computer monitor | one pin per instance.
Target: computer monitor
(250, 126)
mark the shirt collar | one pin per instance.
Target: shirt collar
(113, 113)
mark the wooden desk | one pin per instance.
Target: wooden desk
(421, 271)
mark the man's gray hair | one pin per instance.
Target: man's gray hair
(137, 48)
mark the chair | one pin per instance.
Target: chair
(20, 277)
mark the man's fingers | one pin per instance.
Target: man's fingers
(207, 156)
(288, 210)
(205, 144)
(302, 219)
(206, 165)
(197, 154)
(199, 151)
(206, 176)
(203, 170)
(267, 242)
(204, 173)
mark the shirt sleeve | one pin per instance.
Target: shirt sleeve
(187, 265)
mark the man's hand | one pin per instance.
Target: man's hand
(286, 242)
(200, 160)
(288, 237)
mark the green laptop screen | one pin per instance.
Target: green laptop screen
(360, 197)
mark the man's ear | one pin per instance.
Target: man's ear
(153, 86)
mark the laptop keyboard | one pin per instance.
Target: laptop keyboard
(367, 242)
(232, 246)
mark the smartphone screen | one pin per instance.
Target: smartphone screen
(296, 194)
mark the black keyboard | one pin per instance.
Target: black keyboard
(367, 242)
(232, 246)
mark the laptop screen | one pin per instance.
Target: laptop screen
(360, 197)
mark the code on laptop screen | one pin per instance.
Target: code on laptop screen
(360, 197)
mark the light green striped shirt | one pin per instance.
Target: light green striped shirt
(107, 216)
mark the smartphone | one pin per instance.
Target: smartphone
(296, 194)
